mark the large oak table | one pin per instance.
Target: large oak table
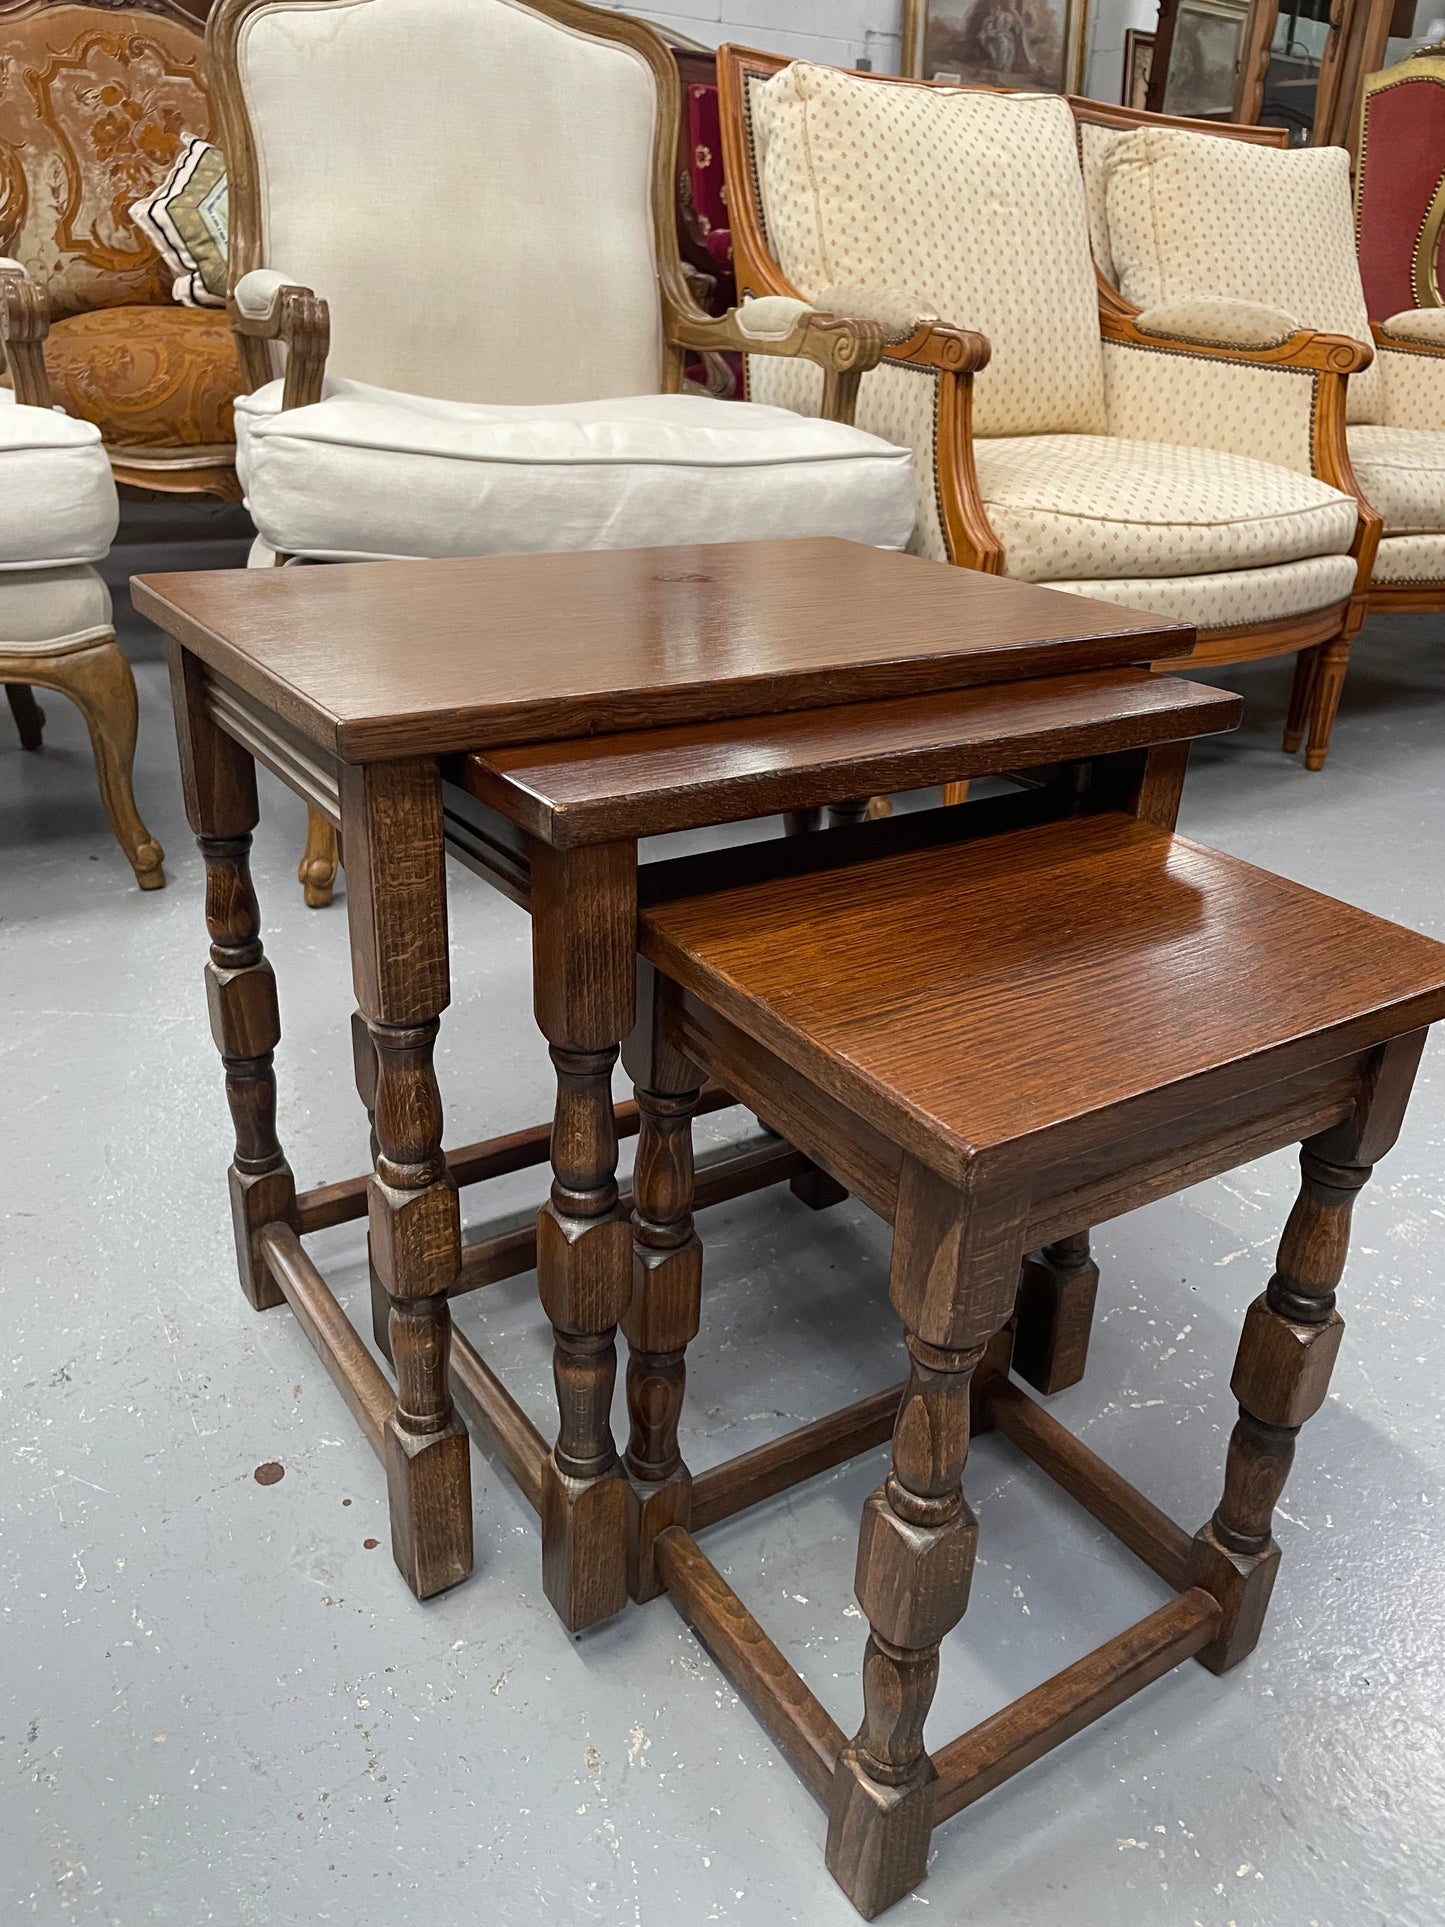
(536, 716)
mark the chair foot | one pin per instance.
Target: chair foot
(29, 716)
(316, 872)
(1301, 691)
(1327, 687)
(99, 682)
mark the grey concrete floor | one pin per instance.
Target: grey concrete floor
(220, 1702)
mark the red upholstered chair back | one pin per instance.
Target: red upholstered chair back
(1400, 185)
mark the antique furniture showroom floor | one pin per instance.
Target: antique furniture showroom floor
(229, 1706)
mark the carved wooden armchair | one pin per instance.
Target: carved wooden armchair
(1280, 233)
(96, 100)
(58, 513)
(481, 354)
(1186, 461)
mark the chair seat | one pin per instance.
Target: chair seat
(1233, 598)
(369, 472)
(992, 991)
(148, 377)
(1076, 507)
(1402, 471)
(49, 612)
(57, 500)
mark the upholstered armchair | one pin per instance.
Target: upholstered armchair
(1278, 232)
(96, 101)
(58, 513)
(1400, 184)
(482, 351)
(1188, 464)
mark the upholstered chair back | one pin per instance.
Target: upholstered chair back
(969, 204)
(1399, 188)
(1194, 214)
(93, 104)
(468, 183)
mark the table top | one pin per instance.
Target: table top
(650, 782)
(381, 660)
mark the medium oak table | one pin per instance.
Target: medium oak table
(536, 716)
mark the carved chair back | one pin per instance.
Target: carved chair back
(481, 190)
(1400, 185)
(96, 101)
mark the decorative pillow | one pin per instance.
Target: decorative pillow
(1200, 214)
(964, 203)
(187, 217)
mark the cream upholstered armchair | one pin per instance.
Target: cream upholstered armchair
(1188, 214)
(58, 514)
(459, 299)
(1193, 466)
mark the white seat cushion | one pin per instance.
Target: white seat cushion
(48, 612)
(1402, 471)
(58, 502)
(1234, 597)
(369, 472)
(1071, 507)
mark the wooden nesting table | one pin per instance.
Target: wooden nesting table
(535, 717)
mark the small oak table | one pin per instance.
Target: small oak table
(536, 716)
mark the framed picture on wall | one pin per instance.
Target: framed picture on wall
(1204, 58)
(1034, 44)
(1138, 56)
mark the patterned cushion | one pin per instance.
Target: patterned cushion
(1096, 144)
(1418, 324)
(1192, 214)
(999, 241)
(1414, 388)
(1231, 599)
(188, 219)
(1409, 559)
(1076, 506)
(1402, 471)
(148, 377)
(95, 104)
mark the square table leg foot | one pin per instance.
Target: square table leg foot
(878, 1836)
(1055, 1314)
(1242, 1583)
(257, 1199)
(584, 1545)
(651, 1510)
(428, 1480)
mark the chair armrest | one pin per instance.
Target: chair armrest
(265, 305)
(24, 324)
(1416, 331)
(1326, 354)
(1210, 321)
(845, 348)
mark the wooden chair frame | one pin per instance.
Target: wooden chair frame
(1320, 640)
(843, 347)
(97, 679)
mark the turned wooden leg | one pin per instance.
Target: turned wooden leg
(397, 916)
(802, 822)
(1327, 688)
(666, 1306)
(842, 815)
(364, 1070)
(29, 716)
(316, 872)
(954, 1275)
(99, 682)
(1057, 1289)
(1301, 691)
(1286, 1354)
(219, 779)
(584, 911)
(955, 793)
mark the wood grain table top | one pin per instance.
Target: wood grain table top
(381, 660)
(1061, 976)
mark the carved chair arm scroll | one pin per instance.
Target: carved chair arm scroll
(844, 347)
(266, 306)
(24, 324)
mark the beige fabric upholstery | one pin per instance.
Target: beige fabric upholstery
(1229, 600)
(996, 240)
(1089, 506)
(49, 612)
(1414, 388)
(1418, 324)
(1402, 471)
(469, 188)
(899, 403)
(1209, 403)
(1213, 320)
(1193, 214)
(1405, 560)
(58, 503)
(367, 472)
(1096, 144)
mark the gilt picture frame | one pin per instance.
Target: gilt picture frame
(1138, 59)
(1036, 45)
